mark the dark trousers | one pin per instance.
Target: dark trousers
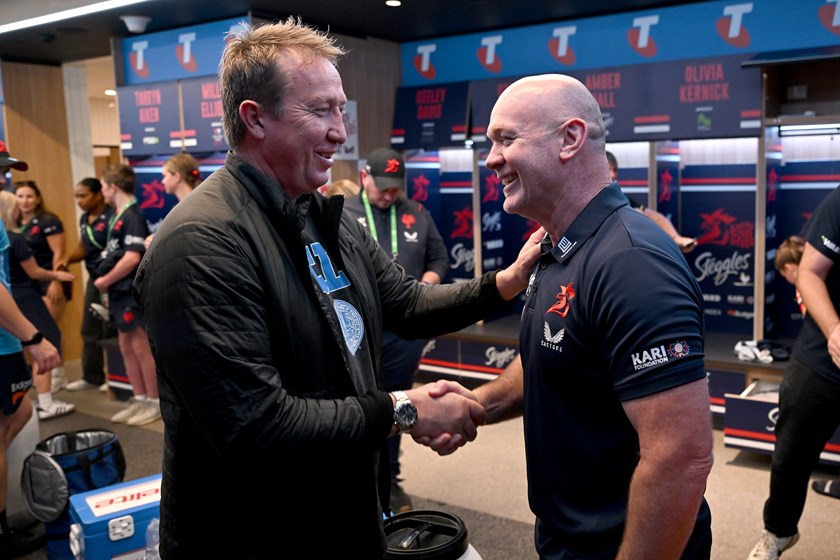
(400, 359)
(93, 330)
(809, 413)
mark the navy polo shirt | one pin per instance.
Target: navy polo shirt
(613, 314)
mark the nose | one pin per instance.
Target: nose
(494, 159)
(338, 133)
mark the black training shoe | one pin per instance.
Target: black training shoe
(827, 487)
(400, 502)
(17, 543)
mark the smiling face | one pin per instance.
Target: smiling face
(299, 144)
(526, 151)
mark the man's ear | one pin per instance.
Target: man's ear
(252, 114)
(573, 137)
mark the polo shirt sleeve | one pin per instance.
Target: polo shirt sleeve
(823, 230)
(135, 231)
(648, 311)
(51, 225)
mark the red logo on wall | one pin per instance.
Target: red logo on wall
(829, 17)
(152, 195)
(463, 220)
(491, 189)
(721, 229)
(420, 186)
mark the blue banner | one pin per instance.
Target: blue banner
(202, 102)
(702, 29)
(186, 52)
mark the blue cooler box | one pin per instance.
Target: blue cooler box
(110, 523)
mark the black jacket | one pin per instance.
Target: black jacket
(273, 423)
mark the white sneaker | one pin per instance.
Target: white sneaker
(149, 414)
(770, 547)
(104, 387)
(56, 409)
(100, 311)
(134, 406)
(59, 380)
(79, 385)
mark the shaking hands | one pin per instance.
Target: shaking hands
(448, 416)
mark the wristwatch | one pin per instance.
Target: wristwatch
(36, 339)
(405, 413)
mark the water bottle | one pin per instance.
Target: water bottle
(153, 540)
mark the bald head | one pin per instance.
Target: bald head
(558, 98)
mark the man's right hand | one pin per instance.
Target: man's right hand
(45, 355)
(445, 422)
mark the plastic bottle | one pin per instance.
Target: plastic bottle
(153, 540)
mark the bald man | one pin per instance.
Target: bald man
(611, 378)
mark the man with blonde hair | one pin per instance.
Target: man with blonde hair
(265, 306)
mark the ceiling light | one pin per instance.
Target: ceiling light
(136, 24)
(110, 92)
(393, 3)
(809, 129)
(67, 14)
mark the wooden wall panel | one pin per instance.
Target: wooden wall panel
(370, 73)
(36, 125)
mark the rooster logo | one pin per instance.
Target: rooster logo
(561, 306)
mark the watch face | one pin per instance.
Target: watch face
(405, 415)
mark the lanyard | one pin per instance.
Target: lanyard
(90, 236)
(372, 224)
(27, 225)
(117, 217)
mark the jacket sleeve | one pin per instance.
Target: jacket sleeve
(413, 310)
(205, 310)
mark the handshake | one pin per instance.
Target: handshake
(448, 416)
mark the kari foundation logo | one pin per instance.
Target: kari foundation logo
(731, 26)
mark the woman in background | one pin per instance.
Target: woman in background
(25, 277)
(44, 232)
(93, 234)
(180, 177)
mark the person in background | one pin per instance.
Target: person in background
(93, 236)
(16, 333)
(787, 260)
(44, 232)
(265, 304)
(8, 162)
(344, 187)
(180, 178)
(686, 244)
(124, 248)
(408, 233)
(809, 396)
(611, 381)
(25, 277)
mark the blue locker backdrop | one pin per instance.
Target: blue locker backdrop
(456, 223)
(719, 205)
(151, 196)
